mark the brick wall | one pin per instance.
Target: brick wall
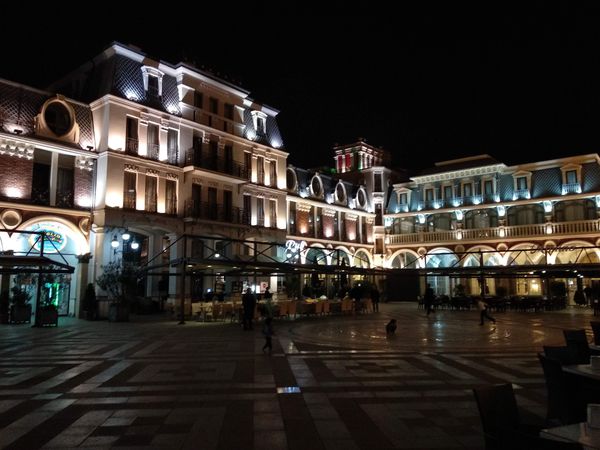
(83, 188)
(351, 233)
(302, 221)
(327, 225)
(15, 177)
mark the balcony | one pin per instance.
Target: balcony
(571, 188)
(583, 227)
(64, 199)
(205, 160)
(521, 194)
(131, 146)
(153, 152)
(215, 121)
(217, 213)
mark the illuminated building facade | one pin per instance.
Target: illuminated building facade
(180, 151)
(477, 211)
(47, 161)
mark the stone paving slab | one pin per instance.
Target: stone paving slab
(331, 382)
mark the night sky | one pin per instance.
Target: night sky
(520, 85)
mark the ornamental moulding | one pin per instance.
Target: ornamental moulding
(304, 207)
(131, 168)
(152, 172)
(18, 149)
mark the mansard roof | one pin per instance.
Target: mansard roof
(20, 104)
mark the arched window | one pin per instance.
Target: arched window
(483, 218)
(525, 215)
(575, 210)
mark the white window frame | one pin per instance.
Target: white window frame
(522, 174)
(568, 168)
(310, 187)
(292, 171)
(256, 116)
(344, 197)
(153, 72)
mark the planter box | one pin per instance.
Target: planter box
(48, 317)
(20, 314)
(118, 313)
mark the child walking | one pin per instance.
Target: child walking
(268, 332)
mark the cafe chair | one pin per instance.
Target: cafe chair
(596, 330)
(563, 405)
(501, 423)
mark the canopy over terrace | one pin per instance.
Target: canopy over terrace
(584, 261)
(238, 258)
(266, 258)
(32, 261)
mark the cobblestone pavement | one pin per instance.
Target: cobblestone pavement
(331, 382)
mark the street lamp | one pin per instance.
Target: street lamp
(126, 236)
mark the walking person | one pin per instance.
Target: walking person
(249, 304)
(428, 299)
(483, 313)
(268, 333)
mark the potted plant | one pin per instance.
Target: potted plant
(90, 303)
(118, 281)
(20, 309)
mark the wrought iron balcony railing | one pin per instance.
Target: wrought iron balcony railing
(204, 160)
(218, 213)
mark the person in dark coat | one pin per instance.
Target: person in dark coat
(249, 304)
(428, 299)
(375, 299)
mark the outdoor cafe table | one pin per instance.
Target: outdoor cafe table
(583, 370)
(581, 433)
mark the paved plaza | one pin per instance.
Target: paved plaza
(331, 382)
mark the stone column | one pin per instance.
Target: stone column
(82, 282)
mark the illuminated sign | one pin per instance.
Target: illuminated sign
(55, 238)
(293, 249)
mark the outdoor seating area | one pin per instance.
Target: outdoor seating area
(524, 303)
(282, 309)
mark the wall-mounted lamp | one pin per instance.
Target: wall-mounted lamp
(114, 243)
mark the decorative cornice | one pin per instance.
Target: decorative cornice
(197, 180)
(351, 217)
(153, 172)
(171, 176)
(329, 212)
(475, 171)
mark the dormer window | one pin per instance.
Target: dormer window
(316, 187)
(571, 179)
(291, 180)
(153, 86)
(361, 198)
(152, 81)
(403, 196)
(522, 185)
(340, 193)
(259, 120)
